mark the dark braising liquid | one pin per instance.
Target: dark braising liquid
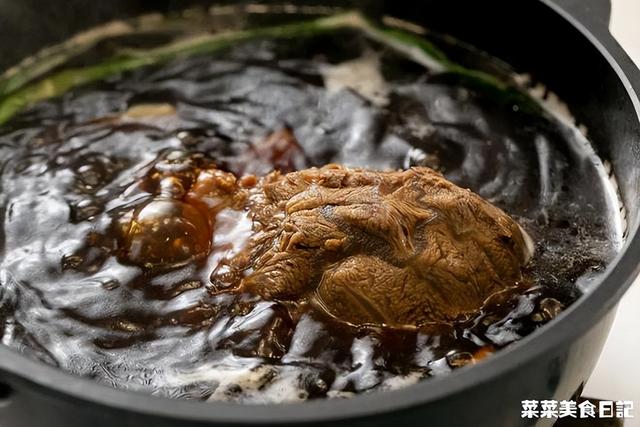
(66, 299)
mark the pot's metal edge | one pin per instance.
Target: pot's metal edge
(572, 323)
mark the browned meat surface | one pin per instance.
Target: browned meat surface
(401, 249)
(394, 248)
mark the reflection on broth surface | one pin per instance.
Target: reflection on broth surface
(148, 244)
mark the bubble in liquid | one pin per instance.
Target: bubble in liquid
(166, 233)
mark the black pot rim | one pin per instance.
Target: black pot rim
(569, 325)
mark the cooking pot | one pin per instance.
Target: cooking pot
(564, 43)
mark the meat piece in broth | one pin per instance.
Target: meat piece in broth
(398, 249)
(384, 248)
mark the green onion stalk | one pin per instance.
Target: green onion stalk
(28, 86)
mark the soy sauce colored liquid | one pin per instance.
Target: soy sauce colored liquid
(67, 299)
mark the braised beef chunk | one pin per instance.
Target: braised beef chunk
(385, 248)
(400, 248)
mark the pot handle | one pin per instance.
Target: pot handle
(589, 12)
(594, 16)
